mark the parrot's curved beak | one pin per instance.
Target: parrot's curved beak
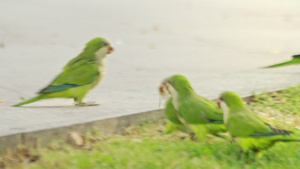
(219, 103)
(110, 49)
(161, 89)
(163, 92)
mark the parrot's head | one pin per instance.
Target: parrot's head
(176, 84)
(99, 46)
(229, 100)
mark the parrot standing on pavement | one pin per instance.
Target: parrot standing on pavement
(249, 130)
(295, 60)
(80, 75)
(203, 116)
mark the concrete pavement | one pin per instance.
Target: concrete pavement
(217, 45)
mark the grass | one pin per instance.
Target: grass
(146, 147)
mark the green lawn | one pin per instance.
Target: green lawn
(146, 147)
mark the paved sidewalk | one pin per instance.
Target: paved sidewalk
(218, 45)
(58, 112)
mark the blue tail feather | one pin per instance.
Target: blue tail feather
(52, 88)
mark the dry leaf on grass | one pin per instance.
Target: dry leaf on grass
(75, 139)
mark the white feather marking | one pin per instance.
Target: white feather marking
(174, 94)
(225, 109)
(101, 53)
(101, 61)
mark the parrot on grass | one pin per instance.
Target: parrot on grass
(79, 76)
(173, 123)
(247, 128)
(201, 115)
(294, 60)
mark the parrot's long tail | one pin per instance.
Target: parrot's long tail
(291, 62)
(30, 100)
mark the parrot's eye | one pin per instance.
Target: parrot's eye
(105, 44)
(221, 98)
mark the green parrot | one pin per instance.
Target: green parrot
(250, 131)
(173, 123)
(295, 60)
(80, 75)
(203, 116)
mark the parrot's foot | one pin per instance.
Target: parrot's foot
(86, 104)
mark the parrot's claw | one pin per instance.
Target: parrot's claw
(86, 104)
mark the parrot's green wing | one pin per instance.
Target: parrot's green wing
(214, 112)
(295, 60)
(274, 131)
(78, 61)
(73, 77)
(245, 126)
(248, 124)
(196, 110)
